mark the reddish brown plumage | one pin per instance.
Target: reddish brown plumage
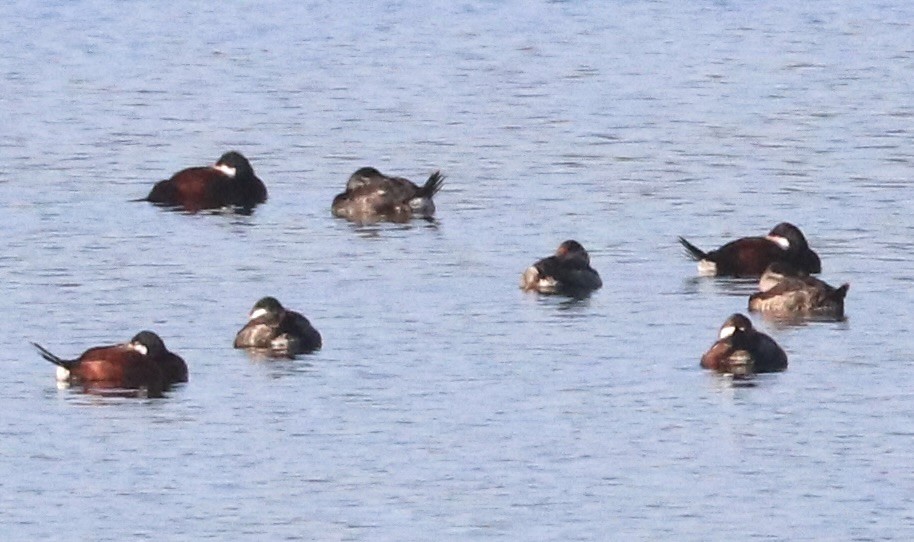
(116, 366)
(746, 256)
(749, 256)
(717, 358)
(199, 188)
(144, 362)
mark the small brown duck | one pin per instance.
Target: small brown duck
(786, 290)
(371, 196)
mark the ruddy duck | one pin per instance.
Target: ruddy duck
(749, 256)
(129, 365)
(787, 290)
(283, 332)
(371, 196)
(740, 350)
(566, 272)
(228, 182)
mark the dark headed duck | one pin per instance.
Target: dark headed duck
(740, 350)
(749, 256)
(566, 272)
(230, 182)
(281, 331)
(119, 366)
(371, 196)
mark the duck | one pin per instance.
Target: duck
(566, 272)
(372, 196)
(120, 366)
(282, 332)
(230, 182)
(741, 350)
(786, 290)
(750, 256)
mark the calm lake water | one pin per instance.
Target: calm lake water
(447, 404)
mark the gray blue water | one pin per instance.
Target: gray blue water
(446, 404)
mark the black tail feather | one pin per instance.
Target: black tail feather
(840, 293)
(694, 252)
(65, 363)
(431, 186)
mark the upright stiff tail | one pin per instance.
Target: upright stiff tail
(60, 362)
(431, 186)
(841, 292)
(694, 252)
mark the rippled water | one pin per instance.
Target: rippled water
(447, 404)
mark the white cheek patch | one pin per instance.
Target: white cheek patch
(258, 313)
(726, 332)
(779, 241)
(230, 171)
(769, 281)
(139, 348)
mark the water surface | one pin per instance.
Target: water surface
(447, 404)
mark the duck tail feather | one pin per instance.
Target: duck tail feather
(692, 251)
(432, 185)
